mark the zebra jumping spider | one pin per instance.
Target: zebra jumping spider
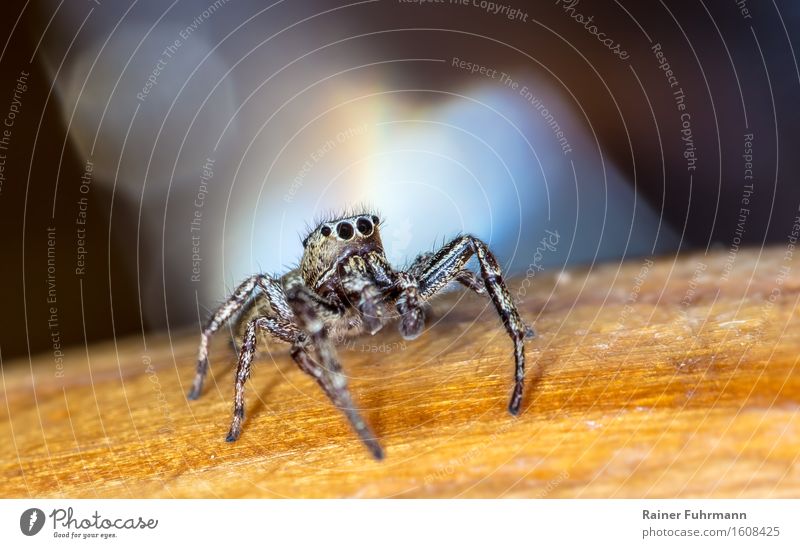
(344, 286)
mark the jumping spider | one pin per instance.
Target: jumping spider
(345, 285)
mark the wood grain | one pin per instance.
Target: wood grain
(658, 379)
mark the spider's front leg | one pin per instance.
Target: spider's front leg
(465, 277)
(447, 265)
(410, 304)
(311, 312)
(274, 293)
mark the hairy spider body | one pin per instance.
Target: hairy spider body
(345, 286)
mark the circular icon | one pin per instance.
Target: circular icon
(31, 521)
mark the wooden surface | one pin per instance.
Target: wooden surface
(656, 381)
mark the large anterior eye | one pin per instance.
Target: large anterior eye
(345, 231)
(364, 226)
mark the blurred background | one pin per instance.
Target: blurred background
(154, 153)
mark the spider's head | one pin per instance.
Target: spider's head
(335, 240)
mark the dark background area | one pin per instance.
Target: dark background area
(86, 61)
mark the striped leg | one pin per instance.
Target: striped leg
(326, 369)
(282, 330)
(274, 293)
(410, 303)
(448, 264)
(465, 277)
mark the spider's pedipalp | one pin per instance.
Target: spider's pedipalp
(380, 270)
(361, 291)
(409, 306)
(366, 297)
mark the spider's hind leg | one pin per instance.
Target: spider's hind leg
(410, 304)
(272, 291)
(278, 329)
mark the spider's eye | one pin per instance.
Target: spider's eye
(344, 230)
(326, 231)
(364, 226)
(375, 220)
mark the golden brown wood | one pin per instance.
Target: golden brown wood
(653, 382)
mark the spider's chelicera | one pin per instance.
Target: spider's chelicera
(345, 286)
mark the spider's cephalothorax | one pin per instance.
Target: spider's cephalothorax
(345, 285)
(333, 242)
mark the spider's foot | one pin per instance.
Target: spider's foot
(197, 385)
(236, 425)
(362, 429)
(516, 400)
(529, 332)
(232, 436)
(375, 449)
(196, 390)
